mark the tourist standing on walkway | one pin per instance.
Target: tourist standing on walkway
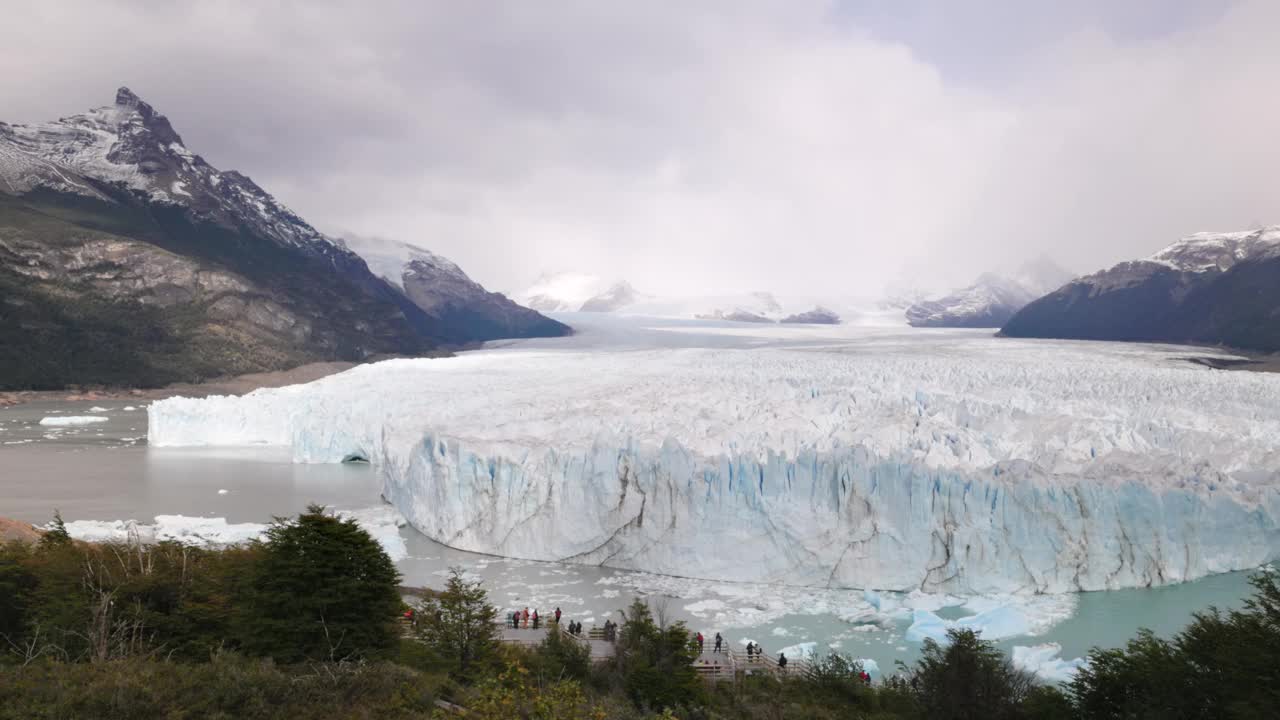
(782, 662)
(535, 619)
(526, 617)
(557, 616)
(699, 636)
(719, 641)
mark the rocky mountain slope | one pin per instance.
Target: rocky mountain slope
(458, 304)
(1217, 288)
(127, 259)
(991, 300)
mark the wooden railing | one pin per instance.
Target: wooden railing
(730, 663)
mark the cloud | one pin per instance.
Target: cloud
(720, 146)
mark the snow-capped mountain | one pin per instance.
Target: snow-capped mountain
(585, 292)
(577, 292)
(125, 258)
(441, 289)
(130, 146)
(1219, 288)
(991, 300)
(817, 316)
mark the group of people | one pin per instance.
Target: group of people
(521, 618)
(517, 619)
(700, 641)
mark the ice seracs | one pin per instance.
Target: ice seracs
(383, 524)
(972, 465)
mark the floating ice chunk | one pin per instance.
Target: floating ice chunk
(107, 530)
(872, 597)
(383, 524)
(71, 420)
(201, 531)
(780, 632)
(1043, 660)
(801, 651)
(997, 623)
(95, 408)
(925, 625)
(222, 491)
(705, 606)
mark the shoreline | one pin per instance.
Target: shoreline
(235, 385)
(1248, 361)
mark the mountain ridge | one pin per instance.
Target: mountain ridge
(129, 260)
(1206, 288)
(991, 300)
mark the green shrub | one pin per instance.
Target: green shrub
(321, 589)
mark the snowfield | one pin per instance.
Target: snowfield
(942, 461)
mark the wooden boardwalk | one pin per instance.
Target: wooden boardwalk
(726, 665)
(601, 649)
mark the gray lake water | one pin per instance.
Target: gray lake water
(105, 471)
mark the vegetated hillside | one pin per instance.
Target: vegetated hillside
(125, 259)
(1213, 288)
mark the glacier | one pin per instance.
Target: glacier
(943, 461)
(383, 524)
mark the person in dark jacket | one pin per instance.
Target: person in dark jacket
(557, 616)
(782, 661)
(719, 642)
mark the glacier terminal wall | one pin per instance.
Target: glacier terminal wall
(968, 471)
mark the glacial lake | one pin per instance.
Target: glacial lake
(105, 471)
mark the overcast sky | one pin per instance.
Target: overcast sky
(724, 145)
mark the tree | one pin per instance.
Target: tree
(968, 679)
(559, 658)
(837, 676)
(56, 535)
(460, 624)
(654, 661)
(322, 589)
(16, 583)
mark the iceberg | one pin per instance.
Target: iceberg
(71, 420)
(382, 524)
(801, 651)
(999, 622)
(1043, 661)
(971, 466)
